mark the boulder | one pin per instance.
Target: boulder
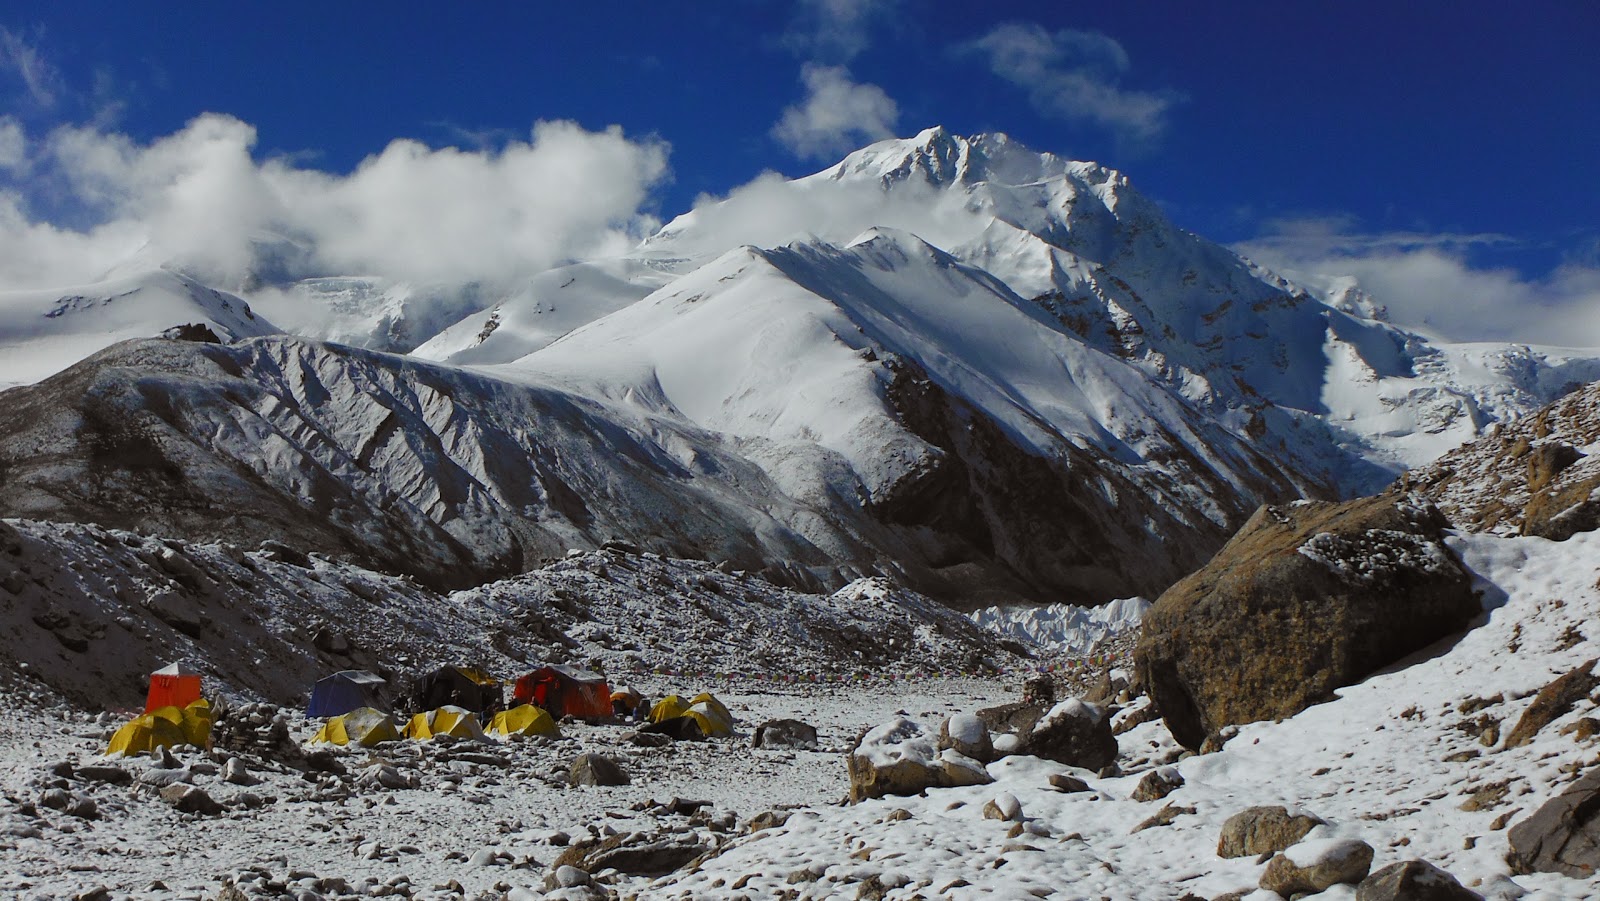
(1316, 866)
(100, 772)
(1563, 835)
(1304, 599)
(177, 611)
(1262, 830)
(1067, 783)
(785, 735)
(1413, 880)
(633, 853)
(189, 799)
(1071, 732)
(1553, 702)
(595, 769)
(1157, 784)
(966, 734)
(1074, 733)
(901, 757)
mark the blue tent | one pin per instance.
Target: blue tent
(345, 691)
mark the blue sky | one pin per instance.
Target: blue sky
(1467, 130)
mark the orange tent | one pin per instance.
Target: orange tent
(566, 691)
(173, 686)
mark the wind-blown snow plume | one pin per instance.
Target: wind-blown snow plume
(200, 199)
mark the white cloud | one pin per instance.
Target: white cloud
(1425, 280)
(834, 30)
(38, 77)
(836, 116)
(1074, 75)
(199, 197)
(13, 145)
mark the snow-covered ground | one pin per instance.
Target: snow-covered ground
(1391, 762)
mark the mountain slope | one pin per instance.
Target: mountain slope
(44, 332)
(944, 394)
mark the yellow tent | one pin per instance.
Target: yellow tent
(364, 726)
(714, 719)
(164, 727)
(669, 707)
(456, 721)
(524, 719)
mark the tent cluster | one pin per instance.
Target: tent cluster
(456, 701)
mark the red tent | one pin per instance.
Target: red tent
(173, 686)
(566, 691)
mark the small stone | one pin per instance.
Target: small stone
(55, 799)
(1005, 806)
(235, 772)
(1067, 783)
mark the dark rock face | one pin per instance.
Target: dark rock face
(996, 520)
(1303, 600)
(1077, 735)
(1413, 880)
(1563, 836)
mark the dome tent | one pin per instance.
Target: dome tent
(364, 726)
(345, 691)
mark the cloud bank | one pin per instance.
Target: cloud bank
(836, 116)
(199, 199)
(1425, 280)
(1073, 75)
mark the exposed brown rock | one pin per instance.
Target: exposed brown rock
(1261, 830)
(1304, 599)
(1553, 701)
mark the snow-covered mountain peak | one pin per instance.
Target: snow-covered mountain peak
(937, 158)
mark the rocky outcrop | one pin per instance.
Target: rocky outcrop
(1563, 835)
(1304, 599)
(1529, 476)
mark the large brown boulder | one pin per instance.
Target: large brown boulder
(1563, 835)
(1258, 830)
(1304, 599)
